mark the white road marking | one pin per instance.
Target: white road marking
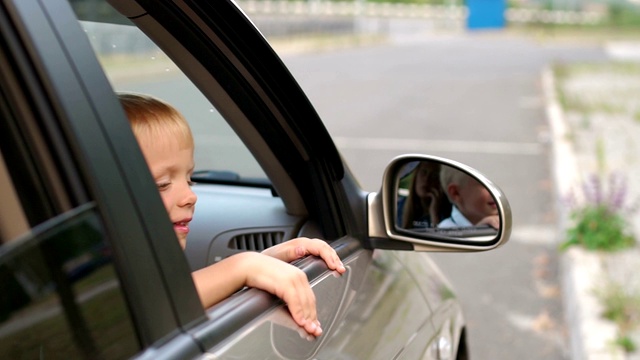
(621, 50)
(530, 102)
(418, 145)
(535, 234)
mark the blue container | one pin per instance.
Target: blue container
(486, 14)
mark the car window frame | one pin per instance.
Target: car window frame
(73, 93)
(328, 186)
(324, 189)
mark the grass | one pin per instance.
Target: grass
(597, 227)
(576, 34)
(589, 98)
(622, 308)
(623, 68)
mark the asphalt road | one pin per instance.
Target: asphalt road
(475, 98)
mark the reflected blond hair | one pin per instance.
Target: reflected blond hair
(154, 120)
(450, 175)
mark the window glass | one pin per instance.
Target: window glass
(133, 63)
(61, 297)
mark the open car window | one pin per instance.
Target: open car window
(133, 63)
(247, 200)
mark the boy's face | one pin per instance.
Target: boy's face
(474, 201)
(171, 165)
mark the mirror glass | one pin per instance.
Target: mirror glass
(437, 198)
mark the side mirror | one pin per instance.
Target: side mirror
(435, 204)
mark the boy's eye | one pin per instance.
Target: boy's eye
(162, 186)
(191, 182)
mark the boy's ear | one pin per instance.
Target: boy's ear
(453, 193)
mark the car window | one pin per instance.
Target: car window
(133, 63)
(57, 276)
(57, 281)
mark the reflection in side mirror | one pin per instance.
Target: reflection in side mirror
(429, 203)
(432, 197)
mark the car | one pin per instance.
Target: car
(89, 265)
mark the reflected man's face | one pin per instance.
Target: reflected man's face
(474, 201)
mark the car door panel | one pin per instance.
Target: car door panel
(447, 318)
(274, 335)
(388, 311)
(372, 311)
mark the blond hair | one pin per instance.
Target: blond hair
(152, 119)
(450, 175)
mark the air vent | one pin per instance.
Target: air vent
(256, 241)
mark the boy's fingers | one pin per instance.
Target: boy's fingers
(302, 304)
(317, 247)
(332, 259)
(313, 328)
(320, 248)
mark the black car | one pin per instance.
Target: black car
(89, 263)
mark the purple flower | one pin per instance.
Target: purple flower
(613, 196)
(617, 191)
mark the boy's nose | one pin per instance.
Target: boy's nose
(189, 198)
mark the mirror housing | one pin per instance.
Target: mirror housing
(428, 203)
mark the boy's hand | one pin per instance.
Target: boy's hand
(270, 271)
(297, 248)
(287, 282)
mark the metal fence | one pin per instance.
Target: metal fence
(453, 13)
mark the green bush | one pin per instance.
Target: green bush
(623, 15)
(598, 228)
(623, 308)
(600, 223)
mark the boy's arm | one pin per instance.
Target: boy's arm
(297, 248)
(218, 281)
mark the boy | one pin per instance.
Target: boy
(473, 205)
(167, 144)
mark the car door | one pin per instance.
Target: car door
(313, 188)
(373, 311)
(233, 68)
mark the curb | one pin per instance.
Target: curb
(590, 336)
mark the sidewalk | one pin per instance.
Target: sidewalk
(590, 336)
